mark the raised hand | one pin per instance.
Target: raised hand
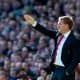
(29, 19)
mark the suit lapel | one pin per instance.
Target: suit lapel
(68, 40)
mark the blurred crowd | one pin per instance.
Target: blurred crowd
(24, 52)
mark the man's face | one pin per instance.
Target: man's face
(3, 77)
(62, 27)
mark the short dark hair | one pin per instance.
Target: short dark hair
(67, 20)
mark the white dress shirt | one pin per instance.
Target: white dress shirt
(35, 23)
(58, 60)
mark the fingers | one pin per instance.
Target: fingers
(29, 19)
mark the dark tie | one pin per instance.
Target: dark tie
(58, 43)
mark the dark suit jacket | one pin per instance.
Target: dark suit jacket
(70, 52)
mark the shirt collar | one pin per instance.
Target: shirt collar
(67, 34)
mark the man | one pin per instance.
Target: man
(66, 54)
(3, 75)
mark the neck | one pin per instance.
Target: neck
(65, 31)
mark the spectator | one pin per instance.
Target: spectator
(43, 74)
(3, 75)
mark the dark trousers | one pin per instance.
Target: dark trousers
(59, 74)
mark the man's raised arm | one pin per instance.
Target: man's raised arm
(31, 21)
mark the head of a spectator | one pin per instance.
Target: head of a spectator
(10, 45)
(26, 37)
(29, 59)
(12, 35)
(41, 63)
(3, 75)
(12, 73)
(12, 24)
(18, 65)
(6, 64)
(42, 42)
(48, 77)
(26, 29)
(51, 44)
(50, 24)
(3, 46)
(24, 53)
(6, 6)
(12, 65)
(43, 73)
(65, 24)
(15, 58)
(17, 4)
(15, 48)
(21, 43)
(32, 35)
(32, 39)
(25, 66)
(21, 74)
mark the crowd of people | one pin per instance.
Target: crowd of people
(24, 52)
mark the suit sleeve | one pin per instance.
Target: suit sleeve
(75, 58)
(45, 31)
